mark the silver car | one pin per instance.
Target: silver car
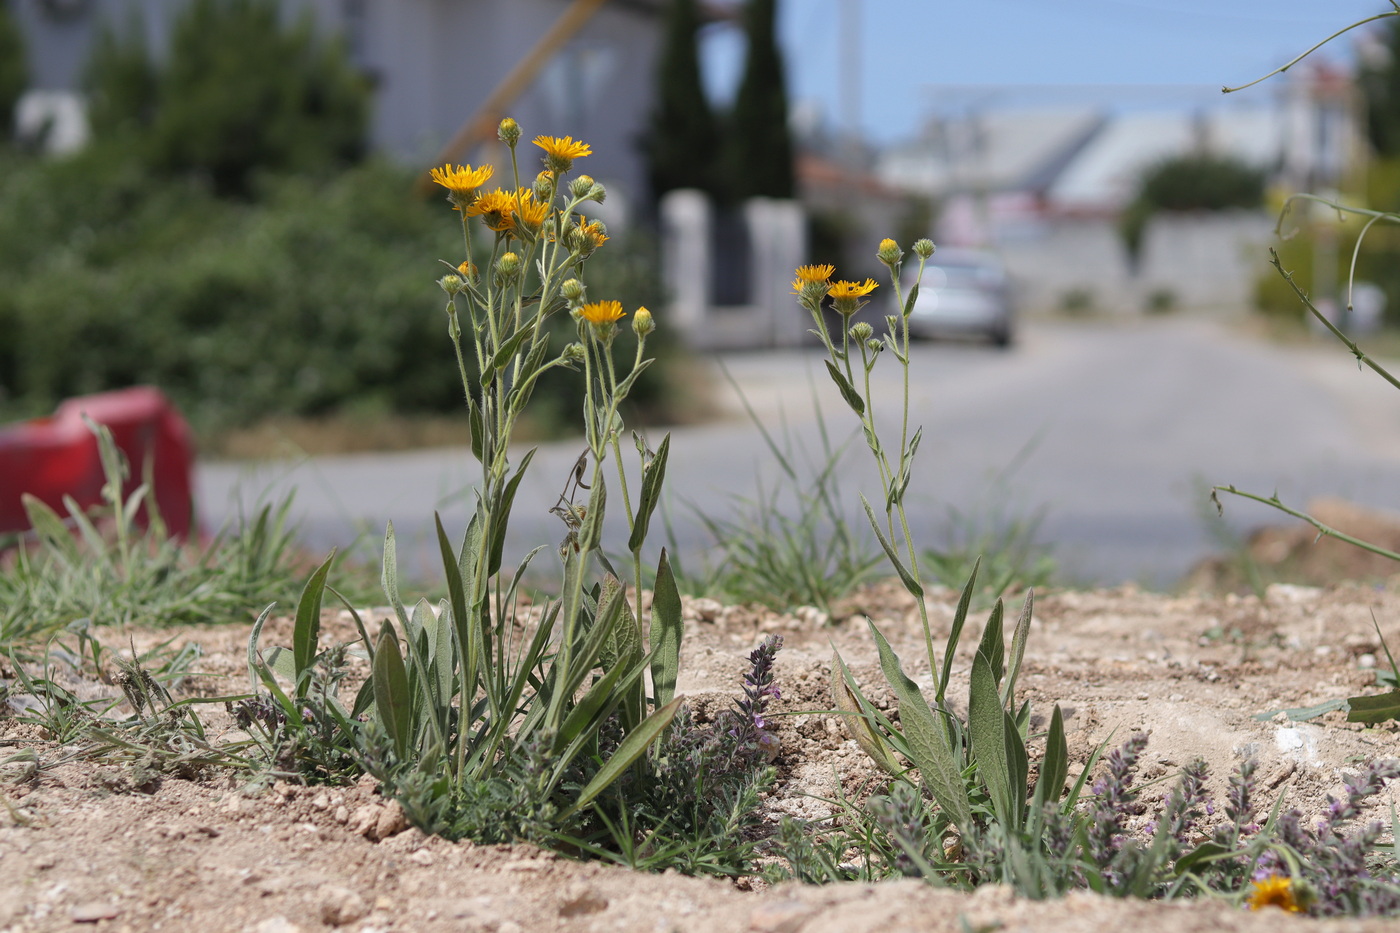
(964, 292)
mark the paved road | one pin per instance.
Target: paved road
(1117, 429)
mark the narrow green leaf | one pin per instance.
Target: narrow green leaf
(389, 574)
(592, 530)
(909, 302)
(1054, 767)
(847, 698)
(928, 739)
(993, 642)
(632, 748)
(954, 636)
(1304, 713)
(848, 391)
(50, 528)
(477, 427)
(452, 570)
(502, 512)
(624, 644)
(625, 385)
(1018, 649)
(392, 699)
(652, 478)
(507, 350)
(910, 582)
(1373, 709)
(306, 632)
(667, 629)
(255, 666)
(986, 724)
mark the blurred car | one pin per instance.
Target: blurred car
(964, 292)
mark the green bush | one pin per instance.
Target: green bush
(14, 70)
(237, 93)
(316, 298)
(1196, 182)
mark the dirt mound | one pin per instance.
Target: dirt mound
(82, 843)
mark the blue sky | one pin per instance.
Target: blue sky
(908, 52)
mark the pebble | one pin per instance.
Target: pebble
(94, 911)
(340, 906)
(581, 898)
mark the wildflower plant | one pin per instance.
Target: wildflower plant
(483, 720)
(977, 769)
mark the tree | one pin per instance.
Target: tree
(1192, 182)
(683, 141)
(758, 146)
(1380, 85)
(237, 93)
(14, 70)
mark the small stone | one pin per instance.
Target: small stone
(340, 906)
(581, 898)
(391, 820)
(341, 814)
(277, 925)
(93, 911)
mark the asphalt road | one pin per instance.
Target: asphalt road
(1112, 429)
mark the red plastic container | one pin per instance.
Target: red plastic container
(57, 456)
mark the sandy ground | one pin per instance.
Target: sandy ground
(81, 847)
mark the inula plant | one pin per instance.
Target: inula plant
(492, 716)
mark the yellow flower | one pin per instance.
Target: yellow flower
(844, 289)
(468, 269)
(602, 312)
(591, 234)
(461, 182)
(560, 151)
(530, 213)
(495, 209)
(1274, 891)
(889, 252)
(814, 273)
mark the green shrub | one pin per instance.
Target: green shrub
(237, 93)
(14, 70)
(315, 299)
(1196, 182)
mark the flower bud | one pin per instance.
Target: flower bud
(508, 132)
(861, 332)
(467, 269)
(581, 185)
(642, 323)
(874, 346)
(452, 284)
(889, 252)
(573, 353)
(923, 248)
(507, 267)
(597, 193)
(572, 290)
(543, 188)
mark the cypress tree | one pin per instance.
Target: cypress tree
(759, 148)
(683, 141)
(1380, 85)
(14, 70)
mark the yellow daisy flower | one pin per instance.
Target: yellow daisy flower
(844, 289)
(463, 179)
(495, 208)
(602, 312)
(1274, 891)
(560, 151)
(529, 212)
(815, 273)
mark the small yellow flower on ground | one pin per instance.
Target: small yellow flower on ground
(1274, 891)
(602, 312)
(560, 151)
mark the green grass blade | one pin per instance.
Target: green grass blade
(992, 645)
(1054, 767)
(502, 512)
(846, 696)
